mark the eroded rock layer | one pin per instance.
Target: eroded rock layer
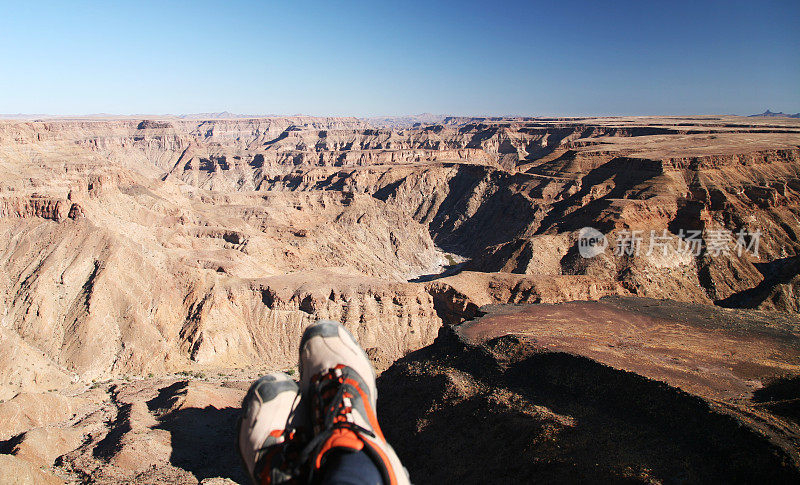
(124, 238)
(153, 247)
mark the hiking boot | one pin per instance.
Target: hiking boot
(338, 384)
(272, 431)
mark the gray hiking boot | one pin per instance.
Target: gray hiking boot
(338, 384)
(272, 431)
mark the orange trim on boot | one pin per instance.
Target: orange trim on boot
(266, 476)
(373, 420)
(385, 459)
(341, 438)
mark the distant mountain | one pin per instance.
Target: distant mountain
(770, 114)
(219, 116)
(20, 116)
(404, 121)
(188, 116)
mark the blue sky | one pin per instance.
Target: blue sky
(391, 58)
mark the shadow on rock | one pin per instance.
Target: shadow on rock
(508, 412)
(203, 442)
(781, 397)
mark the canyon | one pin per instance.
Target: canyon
(152, 267)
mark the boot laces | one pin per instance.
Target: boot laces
(332, 411)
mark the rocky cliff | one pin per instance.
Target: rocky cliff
(124, 238)
(159, 246)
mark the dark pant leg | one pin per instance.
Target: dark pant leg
(350, 468)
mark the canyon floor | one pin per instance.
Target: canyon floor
(152, 268)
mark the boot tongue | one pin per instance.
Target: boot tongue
(341, 438)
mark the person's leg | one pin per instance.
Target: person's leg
(268, 431)
(338, 384)
(349, 468)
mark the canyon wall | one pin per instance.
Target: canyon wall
(153, 246)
